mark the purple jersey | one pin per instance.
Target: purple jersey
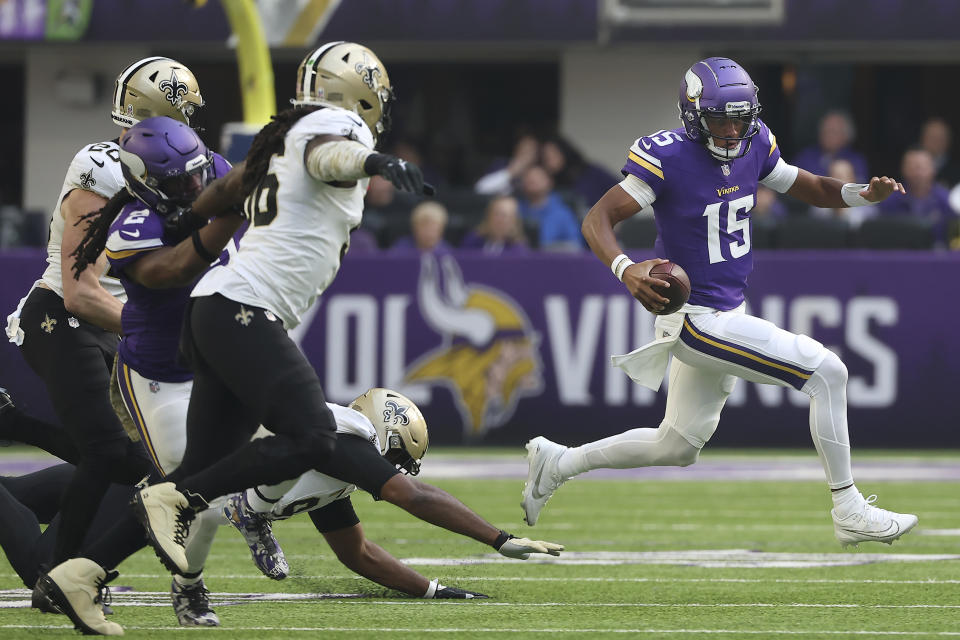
(151, 318)
(702, 209)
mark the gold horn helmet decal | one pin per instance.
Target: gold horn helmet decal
(489, 357)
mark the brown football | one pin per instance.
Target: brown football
(679, 289)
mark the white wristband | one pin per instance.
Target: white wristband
(619, 265)
(850, 193)
(432, 589)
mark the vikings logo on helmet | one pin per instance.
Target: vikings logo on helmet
(173, 89)
(395, 413)
(490, 354)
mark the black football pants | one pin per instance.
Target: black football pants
(248, 372)
(74, 359)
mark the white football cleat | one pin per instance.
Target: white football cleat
(166, 515)
(543, 478)
(76, 588)
(871, 524)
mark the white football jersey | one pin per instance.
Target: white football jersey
(313, 489)
(299, 228)
(95, 168)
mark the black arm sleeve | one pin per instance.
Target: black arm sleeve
(357, 461)
(337, 515)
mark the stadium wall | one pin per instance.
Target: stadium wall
(494, 358)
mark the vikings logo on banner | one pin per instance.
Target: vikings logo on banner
(490, 356)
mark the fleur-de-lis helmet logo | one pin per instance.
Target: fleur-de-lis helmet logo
(369, 73)
(173, 89)
(395, 413)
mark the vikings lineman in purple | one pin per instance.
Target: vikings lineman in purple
(165, 166)
(701, 180)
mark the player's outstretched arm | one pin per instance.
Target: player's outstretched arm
(374, 563)
(83, 295)
(830, 193)
(436, 506)
(341, 162)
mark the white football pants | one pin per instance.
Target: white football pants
(713, 350)
(159, 411)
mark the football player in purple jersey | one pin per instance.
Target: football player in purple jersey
(703, 179)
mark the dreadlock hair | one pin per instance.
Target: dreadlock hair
(98, 223)
(268, 141)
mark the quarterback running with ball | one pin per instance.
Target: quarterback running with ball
(703, 177)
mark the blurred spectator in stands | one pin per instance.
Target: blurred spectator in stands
(504, 179)
(835, 136)
(572, 172)
(380, 194)
(428, 221)
(768, 206)
(843, 171)
(935, 137)
(558, 225)
(501, 230)
(925, 199)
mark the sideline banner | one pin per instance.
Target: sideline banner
(496, 350)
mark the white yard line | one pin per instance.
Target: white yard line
(491, 630)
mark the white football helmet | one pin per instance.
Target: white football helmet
(350, 76)
(155, 86)
(400, 427)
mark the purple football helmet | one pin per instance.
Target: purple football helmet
(165, 163)
(718, 91)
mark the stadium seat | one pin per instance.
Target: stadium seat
(464, 203)
(895, 233)
(804, 232)
(638, 232)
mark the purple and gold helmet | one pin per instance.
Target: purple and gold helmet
(719, 89)
(165, 164)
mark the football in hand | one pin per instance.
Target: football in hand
(679, 290)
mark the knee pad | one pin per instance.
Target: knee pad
(832, 370)
(673, 449)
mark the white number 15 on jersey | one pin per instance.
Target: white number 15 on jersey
(737, 248)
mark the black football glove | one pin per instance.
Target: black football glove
(453, 593)
(404, 175)
(181, 223)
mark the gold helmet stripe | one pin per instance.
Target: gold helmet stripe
(125, 75)
(307, 81)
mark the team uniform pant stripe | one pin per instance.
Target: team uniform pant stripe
(744, 356)
(126, 388)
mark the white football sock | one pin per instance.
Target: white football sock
(846, 500)
(827, 388)
(202, 532)
(630, 449)
(261, 499)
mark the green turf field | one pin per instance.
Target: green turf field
(647, 558)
